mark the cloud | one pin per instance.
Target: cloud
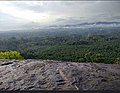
(8, 22)
(27, 14)
(60, 19)
(54, 12)
(116, 17)
(36, 6)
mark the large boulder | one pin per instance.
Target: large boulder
(57, 75)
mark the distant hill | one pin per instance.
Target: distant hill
(89, 24)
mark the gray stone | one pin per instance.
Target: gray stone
(34, 74)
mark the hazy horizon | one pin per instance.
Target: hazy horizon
(28, 14)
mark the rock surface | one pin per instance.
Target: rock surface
(57, 75)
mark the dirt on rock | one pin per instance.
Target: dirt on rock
(33, 74)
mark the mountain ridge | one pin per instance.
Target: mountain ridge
(88, 24)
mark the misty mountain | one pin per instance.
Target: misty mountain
(89, 24)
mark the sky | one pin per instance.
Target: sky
(26, 14)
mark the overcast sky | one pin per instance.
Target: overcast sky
(15, 14)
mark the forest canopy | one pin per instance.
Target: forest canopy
(89, 45)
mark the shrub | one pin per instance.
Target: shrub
(81, 60)
(117, 61)
(10, 55)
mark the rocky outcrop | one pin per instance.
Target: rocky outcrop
(57, 75)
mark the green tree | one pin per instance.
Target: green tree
(88, 57)
(99, 58)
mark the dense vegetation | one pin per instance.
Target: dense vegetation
(79, 45)
(10, 55)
